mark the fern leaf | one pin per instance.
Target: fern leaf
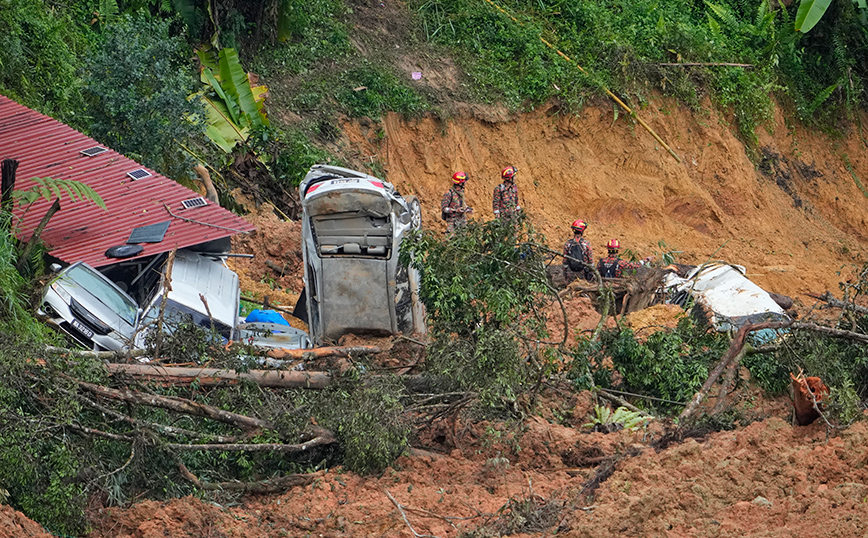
(724, 14)
(821, 98)
(108, 10)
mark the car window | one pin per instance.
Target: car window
(104, 292)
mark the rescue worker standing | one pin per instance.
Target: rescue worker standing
(452, 207)
(577, 251)
(612, 266)
(505, 202)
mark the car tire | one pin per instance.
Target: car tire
(415, 212)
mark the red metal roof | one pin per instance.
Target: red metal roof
(81, 231)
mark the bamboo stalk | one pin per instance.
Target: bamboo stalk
(705, 64)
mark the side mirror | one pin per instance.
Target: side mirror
(55, 267)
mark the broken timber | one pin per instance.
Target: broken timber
(214, 376)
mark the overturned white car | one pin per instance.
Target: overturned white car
(729, 298)
(352, 228)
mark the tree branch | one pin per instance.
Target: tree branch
(323, 440)
(179, 405)
(273, 485)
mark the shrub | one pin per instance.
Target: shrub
(486, 293)
(136, 83)
(39, 54)
(671, 365)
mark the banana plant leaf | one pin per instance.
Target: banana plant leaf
(220, 129)
(230, 104)
(809, 14)
(235, 82)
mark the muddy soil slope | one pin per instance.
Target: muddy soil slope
(768, 479)
(792, 217)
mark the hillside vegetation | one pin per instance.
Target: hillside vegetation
(750, 106)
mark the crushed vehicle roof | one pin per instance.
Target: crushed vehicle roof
(134, 195)
(731, 298)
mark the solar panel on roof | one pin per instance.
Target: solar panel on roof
(152, 233)
(139, 173)
(194, 202)
(94, 151)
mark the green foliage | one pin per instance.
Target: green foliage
(288, 154)
(483, 274)
(47, 188)
(362, 89)
(39, 465)
(671, 365)
(607, 421)
(309, 32)
(39, 54)
(841, 364)
(621, 45)
(368, 90)
(367, 418)
(486, 293)
(15, 315)
(233, 107)
(488, 362)
(137, 83)
(768, 371)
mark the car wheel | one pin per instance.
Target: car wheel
(415, 212)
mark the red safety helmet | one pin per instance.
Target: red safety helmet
(459, 178)
(613, 244)
(579, 226)
(508, 172)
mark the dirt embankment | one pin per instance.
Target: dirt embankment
(768, 479)
(793, 217)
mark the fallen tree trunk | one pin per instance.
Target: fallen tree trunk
(214, 376)
(249, 447)
(323, 352)
(735, 352)
(96, 354)
(179, 405)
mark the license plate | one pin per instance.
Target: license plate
(79, 326)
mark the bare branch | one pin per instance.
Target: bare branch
(404, 516)
(179, 405)
(273, 485)
(172, 431)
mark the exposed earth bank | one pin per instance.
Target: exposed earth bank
(793, 216)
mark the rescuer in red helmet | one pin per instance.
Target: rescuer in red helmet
(612, 266)
(578, 258)
(452, 207)
(505, 202)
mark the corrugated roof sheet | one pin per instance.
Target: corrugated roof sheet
(81, 231)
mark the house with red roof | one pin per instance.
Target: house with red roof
(142, 206)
